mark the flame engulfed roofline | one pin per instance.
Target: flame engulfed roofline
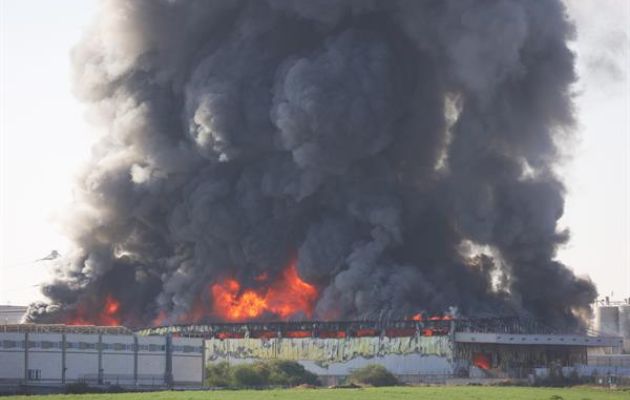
(428, 326)
(431, 326)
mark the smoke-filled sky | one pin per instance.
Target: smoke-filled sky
(263, 113)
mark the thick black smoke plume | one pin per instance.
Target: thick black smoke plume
(402, 150)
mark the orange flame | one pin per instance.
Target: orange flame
(79, 318)
(288, 296)
(332, 334)
(444, 317)
(109, 315)
(160, 319)
(235, 306)
(367, 332)
(482, 361)
(298, 334)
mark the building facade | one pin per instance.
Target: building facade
(59, 355)
(415, 351)
(10, 315)
(431, 351)
(332, 359)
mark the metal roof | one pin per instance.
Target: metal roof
(538, 339)
(80, 329)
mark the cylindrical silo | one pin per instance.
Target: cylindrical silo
(624, 321)
(608, 320)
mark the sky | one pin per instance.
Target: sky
(45, 139)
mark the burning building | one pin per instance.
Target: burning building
(420, 349)
(425, 349)
(325, 159)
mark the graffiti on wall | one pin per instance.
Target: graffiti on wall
(324, 351)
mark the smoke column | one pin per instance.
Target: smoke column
(401, 153)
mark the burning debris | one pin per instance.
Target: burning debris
(397, 155)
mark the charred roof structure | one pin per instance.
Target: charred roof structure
(305, 329)
(425, 350)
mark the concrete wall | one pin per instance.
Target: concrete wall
(81, 357)
(44, 354)
(11, 356)
(188, 362)
(416, 355)
(118, 359)
(610, 360)
(600, 372)
(151, 360)
(99, 359)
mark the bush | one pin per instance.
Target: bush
(262, 373)
(84, 388)
(290, 373)
(218, 375)
(373, 375)
(249, 375)
(114, 389)
(79, 388)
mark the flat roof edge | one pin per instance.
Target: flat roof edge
(538, 339)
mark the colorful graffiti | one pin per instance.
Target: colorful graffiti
(324, 351)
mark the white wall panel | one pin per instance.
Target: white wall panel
(81, 357)
(151, 359)
(187, 360)
(12, 358)
(44, 354)
(118, 359)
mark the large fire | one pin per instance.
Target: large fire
(226, 300)
(287, 296)
(108, 316)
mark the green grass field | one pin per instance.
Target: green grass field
(403, 393)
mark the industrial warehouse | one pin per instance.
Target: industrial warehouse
(57, 355)
(422, 350)
(328, 187)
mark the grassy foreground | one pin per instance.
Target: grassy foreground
(403, 393)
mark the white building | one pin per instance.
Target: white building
(419, 351)
(58, 355)
(11, 314)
